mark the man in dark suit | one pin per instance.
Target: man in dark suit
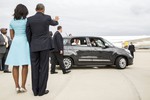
(132, 49)
(37, 30)
(57, 53)
(5, 43)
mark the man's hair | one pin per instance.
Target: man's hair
(3, 29)
(40, 6)
(59, 27)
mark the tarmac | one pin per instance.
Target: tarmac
(98, 83)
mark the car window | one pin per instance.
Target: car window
(78, 42)
(99, 43)
(107, 43)
(96, 42)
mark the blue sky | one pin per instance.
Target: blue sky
(89, 17)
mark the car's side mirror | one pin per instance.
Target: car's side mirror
(107, 46)
(103, 47)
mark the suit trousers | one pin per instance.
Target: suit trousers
(132, 53)
(57, 58)
(40, 69)
(3, 57)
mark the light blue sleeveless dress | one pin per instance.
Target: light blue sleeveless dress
(19, 53)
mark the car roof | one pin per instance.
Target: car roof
(69, 37)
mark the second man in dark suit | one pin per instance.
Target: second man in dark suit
(57, 53)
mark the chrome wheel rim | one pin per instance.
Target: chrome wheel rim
(67, 63)
(122, 63)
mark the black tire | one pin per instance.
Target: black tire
(121, 63)
(68, 63)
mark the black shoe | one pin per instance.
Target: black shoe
(46, 92)
(35, 94)
(66, 72)
(54, 72)
(7, 71)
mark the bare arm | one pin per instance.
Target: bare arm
(12, 33)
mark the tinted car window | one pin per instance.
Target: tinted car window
(107, 43)
(99, 42)
(96, 42)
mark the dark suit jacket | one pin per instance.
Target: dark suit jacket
(2, 46)
(58, 42)
(131, 48)
(37, 30)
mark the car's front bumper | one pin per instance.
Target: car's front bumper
(130, 61)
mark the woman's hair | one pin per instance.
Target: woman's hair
(20, 11)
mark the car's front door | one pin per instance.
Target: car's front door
(101, 53)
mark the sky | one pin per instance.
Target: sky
(89, 17)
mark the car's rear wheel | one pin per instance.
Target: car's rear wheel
(121, 63)
(68, 63)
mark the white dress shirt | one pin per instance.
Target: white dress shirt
(6, 40)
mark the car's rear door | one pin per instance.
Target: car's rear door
(83, 54)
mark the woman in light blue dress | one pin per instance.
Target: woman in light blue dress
(19, 54)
